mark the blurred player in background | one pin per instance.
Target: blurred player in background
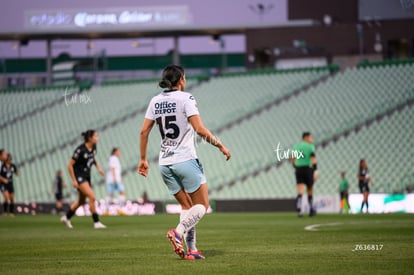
(364, 180)
(79, 168)
(114, 181)
(177, 117)
(343, 193)
(304, 160)
(57, 189)
(3, 157)
(8, 169)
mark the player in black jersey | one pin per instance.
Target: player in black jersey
(6, 177)
(3, 157)
(79, 168)
(57, 189)
(364, 180)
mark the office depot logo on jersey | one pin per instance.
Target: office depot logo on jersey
(165, 107)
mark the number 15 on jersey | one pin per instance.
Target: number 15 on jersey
(168, 128)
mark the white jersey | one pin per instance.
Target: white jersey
(171, 110)
(116, 164)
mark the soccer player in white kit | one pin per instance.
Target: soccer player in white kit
(114, 180)
(177, 117)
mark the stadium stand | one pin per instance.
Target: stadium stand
(251, 112)
(19, 104)
(376, 142)
(338, 105)
(77, 112)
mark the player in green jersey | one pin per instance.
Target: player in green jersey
(304, 160)
(343, 193)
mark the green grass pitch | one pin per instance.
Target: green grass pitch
(236, 243)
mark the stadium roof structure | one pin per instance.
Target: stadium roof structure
(172, 31)
(77, 19)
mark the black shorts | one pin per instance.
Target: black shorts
(344, 195)
(7, 187)
(59, 196)
(363, 187)
(304, 175)
(83, 178)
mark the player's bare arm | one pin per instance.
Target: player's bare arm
(143, 167)
(100, 170)
(314, 165)
(3, 180)
(72, 173)
(203, 132)
(293, 161)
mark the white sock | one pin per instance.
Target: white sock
(194, 215)
(189, 236)
(183, 214)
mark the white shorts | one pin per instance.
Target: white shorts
(187, 175)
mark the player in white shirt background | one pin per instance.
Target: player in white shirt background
(114, 181)
(177, 116)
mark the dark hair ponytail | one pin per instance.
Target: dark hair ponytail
(170, 76)
(87, 135)
(165, 83)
